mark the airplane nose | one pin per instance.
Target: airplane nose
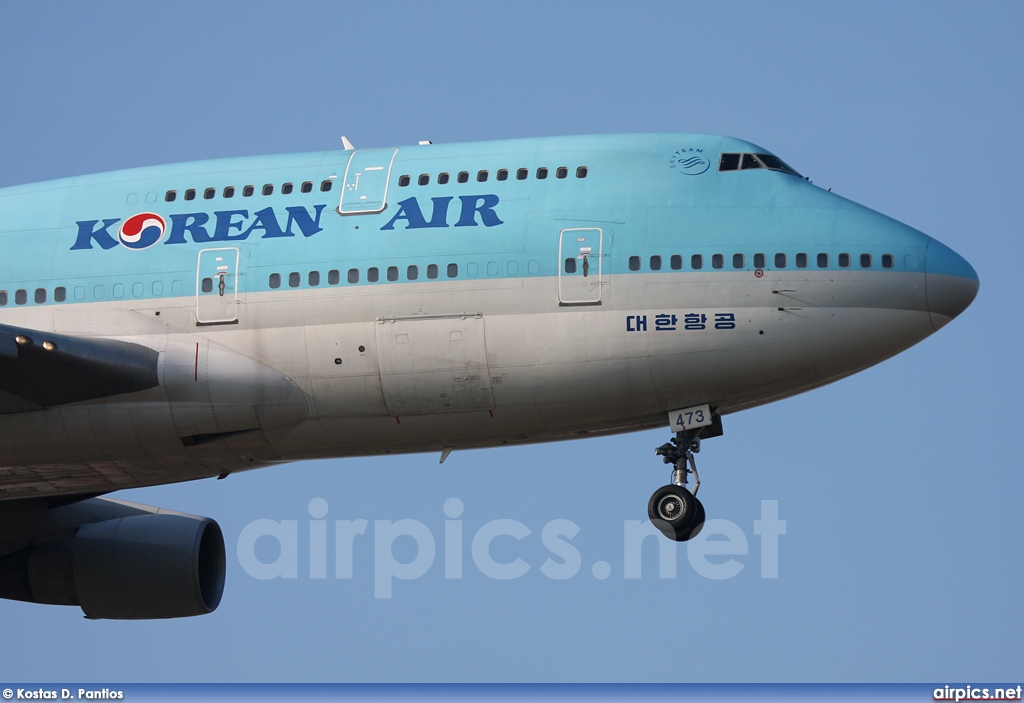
(950, 283)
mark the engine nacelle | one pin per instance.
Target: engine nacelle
(156, 565)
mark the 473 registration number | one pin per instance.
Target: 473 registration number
(689, 418)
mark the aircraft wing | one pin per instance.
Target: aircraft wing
(42, 369)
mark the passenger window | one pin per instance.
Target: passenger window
(207, 285)
(373, 274)
(759, 261)
(729, 162)
(209, 193)
(801, 261)
(865, 261)
(326, 185)
(275, 280)
(717, 261)
(287, 188)
(268, 189)
(581, 172)
(60, 294)
(561, 172)
(333, 277)
(3, 298)
(655, 263)
(412, 273)
(432, 271)
(293, 279)
(676, 262)
(634, 263)
(522, 174)
(502, 174)
(353, 275)
(247, 191)
(887, 261)
(190, 194)
(542, 173)
(463, 177)
(823, 261)
(403, 181)
(314, 278)
(40, 296)
(307, 187)
(570, 265)
(696, 262)
(481, 176)
(737, 261)
(780, 261)
(392, 273)
(442, 178)
(229, 191)
(424, 179)
(453, 270)
(170, 196)
(844, 261)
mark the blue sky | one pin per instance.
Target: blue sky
(901, 487)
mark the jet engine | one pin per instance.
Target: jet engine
(144, 563)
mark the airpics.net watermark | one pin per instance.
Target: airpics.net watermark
(712, 554)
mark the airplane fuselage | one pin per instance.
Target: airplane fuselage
(442, 297)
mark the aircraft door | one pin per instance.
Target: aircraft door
(580, 266)
(364, 189)
(217, 286)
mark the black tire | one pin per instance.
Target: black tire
(699, 516)
(673, 510)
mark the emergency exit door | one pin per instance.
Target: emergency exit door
(580, 266)
(217, 286)
(364, 189)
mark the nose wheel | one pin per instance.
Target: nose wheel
(674, 509)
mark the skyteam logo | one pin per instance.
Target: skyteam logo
(142, 231)
(691, 162)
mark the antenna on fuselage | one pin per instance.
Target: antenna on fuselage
(346, 143)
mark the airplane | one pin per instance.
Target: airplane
(192, 320)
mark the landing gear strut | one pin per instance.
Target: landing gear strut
(673, 509)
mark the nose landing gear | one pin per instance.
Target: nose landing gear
(673, 509)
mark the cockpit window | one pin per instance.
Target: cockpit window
(729, 162)
(776, 164)
(743, 162)
(750, 161)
